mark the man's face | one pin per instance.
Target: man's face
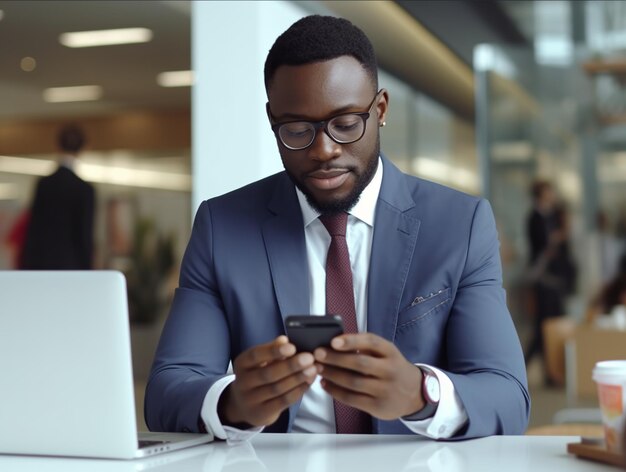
(548, 198)
(331, 175)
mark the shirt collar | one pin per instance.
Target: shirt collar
(364, 209)
(67, 161)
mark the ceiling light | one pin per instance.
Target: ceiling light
(28, 64)
(72, 94)
(85, 39)
(177, 78)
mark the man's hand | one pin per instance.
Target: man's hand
(368, 372)
(269, 378)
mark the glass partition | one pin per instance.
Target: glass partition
(424, 138)
(536, 121)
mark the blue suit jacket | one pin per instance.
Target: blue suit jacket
(434, 290)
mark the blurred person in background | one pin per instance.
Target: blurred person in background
(552, 271)
(620, 223)
(16, 237)
(610, 247)
(60, 232)
(562, 266)
(608, 308)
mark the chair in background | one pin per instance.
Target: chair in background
(556, 333)
(583, 349)
(572, 351)
(587, 346)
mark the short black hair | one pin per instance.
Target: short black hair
(71, 139)
(318, 38)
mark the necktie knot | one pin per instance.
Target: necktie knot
(335, 223)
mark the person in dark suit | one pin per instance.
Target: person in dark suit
(551, 265)
(435, 353)
(60, 231)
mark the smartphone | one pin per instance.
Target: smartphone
(308, 332)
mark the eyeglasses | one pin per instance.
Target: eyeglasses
(343, 129)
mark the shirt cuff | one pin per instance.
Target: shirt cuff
(211, 419)
(450, 415)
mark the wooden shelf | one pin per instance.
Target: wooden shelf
(608, 120)
(614, 67)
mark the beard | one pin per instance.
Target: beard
(347, 203)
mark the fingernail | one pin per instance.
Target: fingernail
(286, 350)
(305, 359)
(310, 371)
(337, 343)
(320, 354)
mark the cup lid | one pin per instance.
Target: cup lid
(613, 367)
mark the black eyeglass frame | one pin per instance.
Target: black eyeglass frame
(317, 125)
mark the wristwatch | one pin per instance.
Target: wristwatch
(430, 393)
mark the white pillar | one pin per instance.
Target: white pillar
(232, 141)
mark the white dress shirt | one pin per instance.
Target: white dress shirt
(316, 413)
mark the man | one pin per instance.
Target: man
(436, 353)
(60, 231)
(552, 271)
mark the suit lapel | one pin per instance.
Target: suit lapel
(393, 245)
(283, 234)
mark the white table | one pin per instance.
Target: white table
(344, 453)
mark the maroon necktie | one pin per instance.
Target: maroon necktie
(340, 301)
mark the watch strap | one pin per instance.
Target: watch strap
(429, 408)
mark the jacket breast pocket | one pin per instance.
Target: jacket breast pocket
(423, 307)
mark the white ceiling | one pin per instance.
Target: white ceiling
(127, 73)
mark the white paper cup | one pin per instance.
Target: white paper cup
(610, 377)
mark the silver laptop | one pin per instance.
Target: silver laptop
(66, 368)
